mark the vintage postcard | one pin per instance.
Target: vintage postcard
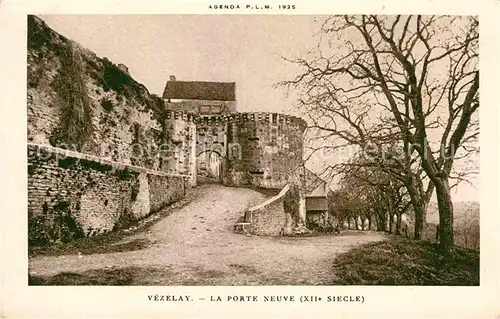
(250, 159)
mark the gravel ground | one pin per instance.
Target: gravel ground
(196, 245)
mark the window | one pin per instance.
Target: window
(210, 109)
(216, 109)
(274, 134)
(204, 109)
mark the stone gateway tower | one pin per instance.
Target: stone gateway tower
(237, 149)
(103, 152)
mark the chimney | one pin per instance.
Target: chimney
(172, 78)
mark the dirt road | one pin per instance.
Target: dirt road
(196, 246)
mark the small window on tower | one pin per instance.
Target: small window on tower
(216, 109)
(274, 134)
(204, 109)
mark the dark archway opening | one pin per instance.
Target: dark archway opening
(210, 165)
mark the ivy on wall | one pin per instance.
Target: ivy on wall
(75, 128)
(54, 224)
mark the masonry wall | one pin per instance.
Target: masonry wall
(73, 195)
(268, 221)
(268, 218)
(193, 106)
(164, 190)
(211, 145)
(78, 101)
(178, 155)
(263, 149)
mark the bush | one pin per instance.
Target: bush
(56, 223)
(107, 105)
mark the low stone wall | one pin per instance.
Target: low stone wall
(73, 195)
(268, 217)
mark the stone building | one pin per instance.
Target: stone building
(237, 149)
(316, 204)
(119, 153)
(208, 101)
(201, 98)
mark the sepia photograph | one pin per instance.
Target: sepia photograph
(253, 150)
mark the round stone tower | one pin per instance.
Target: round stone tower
(263, 149)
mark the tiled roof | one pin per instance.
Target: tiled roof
(216, 91)
(315, 185)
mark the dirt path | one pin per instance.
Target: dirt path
(196, 246)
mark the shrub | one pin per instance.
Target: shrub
(107, 105)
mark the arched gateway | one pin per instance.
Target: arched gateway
(255, 149)
(210, 164)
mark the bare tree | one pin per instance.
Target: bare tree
(409, 78)
(377, 191)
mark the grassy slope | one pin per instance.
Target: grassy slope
(401, 261)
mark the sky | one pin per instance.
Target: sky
(246, 49)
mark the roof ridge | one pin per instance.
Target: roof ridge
(200, 90)
(181, 81)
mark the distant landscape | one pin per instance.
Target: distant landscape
(466, 223)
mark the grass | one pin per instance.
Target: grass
(105, 243)
(142, 276)
(401, 261)
(114, 277)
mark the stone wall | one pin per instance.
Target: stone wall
(78, 101)
(268, 218)
(283, 214)
(211, 145)
(73, 195)
(270, 146)
(164, 190)
(193, 106)
(179, 150)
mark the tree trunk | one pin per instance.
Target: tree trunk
(386, 221)
(418, 210)
(369, 223)
(445, 205)
(419, 206)
(419, 223)
(356, 223)
(379, 224)
(348, 223)
(398, 223)
(391, 223)
(390, 207)
(362, 223)
(381, 217)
